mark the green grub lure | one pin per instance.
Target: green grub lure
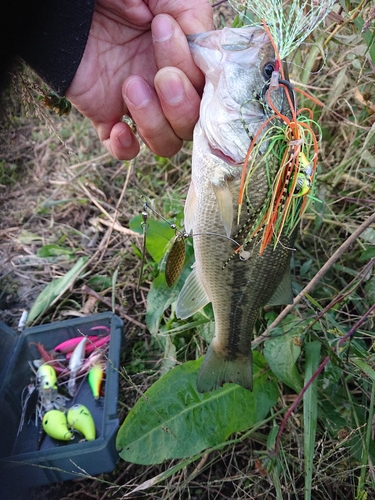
(80, 418)
(55, 425)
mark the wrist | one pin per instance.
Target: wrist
(57, 39)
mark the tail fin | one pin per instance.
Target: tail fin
(215, 371)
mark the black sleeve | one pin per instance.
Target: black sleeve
(50, 35)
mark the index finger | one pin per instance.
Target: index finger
(193, 16)
(171, 48)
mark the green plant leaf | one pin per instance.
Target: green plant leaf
(54, 251)
(370, 289)
(54, 289)
(26, 237)
(362, 365)
(158, 235)
(368, 37)
(367, 254)
(161, 295)
(281, 353)
(99, 283)
(173, 420)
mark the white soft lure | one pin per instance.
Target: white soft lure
(290, 23)
(75, 364)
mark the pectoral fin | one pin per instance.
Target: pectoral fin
(225, 202)
(191, 298)
(189, 213)
(284, 293)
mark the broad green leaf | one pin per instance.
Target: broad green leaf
(281, 353)
(159, 235)
(54, 251)
(54, 289)
(173, 420)
(367, 254)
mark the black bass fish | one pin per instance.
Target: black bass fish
(238, 64)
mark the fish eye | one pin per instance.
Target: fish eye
(268, 69)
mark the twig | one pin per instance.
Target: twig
(316, 278)
(108, 302)
(199, 467)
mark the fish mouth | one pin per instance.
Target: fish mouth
(228, 159)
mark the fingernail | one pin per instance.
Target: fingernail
(172, 89)
(138, 92)
(126, 139)
(162, 29)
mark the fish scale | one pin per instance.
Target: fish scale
(233, 62)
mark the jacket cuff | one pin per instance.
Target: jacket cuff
(57, 40)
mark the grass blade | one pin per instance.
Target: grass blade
(55, 289)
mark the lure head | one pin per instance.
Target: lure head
(46, 377)
(304, 177)
(303, 185)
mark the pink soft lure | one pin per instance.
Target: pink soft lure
(70, 344)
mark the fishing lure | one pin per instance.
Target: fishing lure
(290, 23)
(101, 327)
(75, 364)
(55, 424)
(291, 138)
(176, 256)
(95, 379)
(29, 400)
(304, 177)
(49, 358)
(80, 419)
(70, 344)
(92, 346)
(46, 377)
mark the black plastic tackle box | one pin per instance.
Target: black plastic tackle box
(22, 464)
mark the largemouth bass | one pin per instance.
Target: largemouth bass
(238, 64)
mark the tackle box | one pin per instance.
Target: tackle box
(22, 464)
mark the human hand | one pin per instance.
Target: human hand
(137, 62)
